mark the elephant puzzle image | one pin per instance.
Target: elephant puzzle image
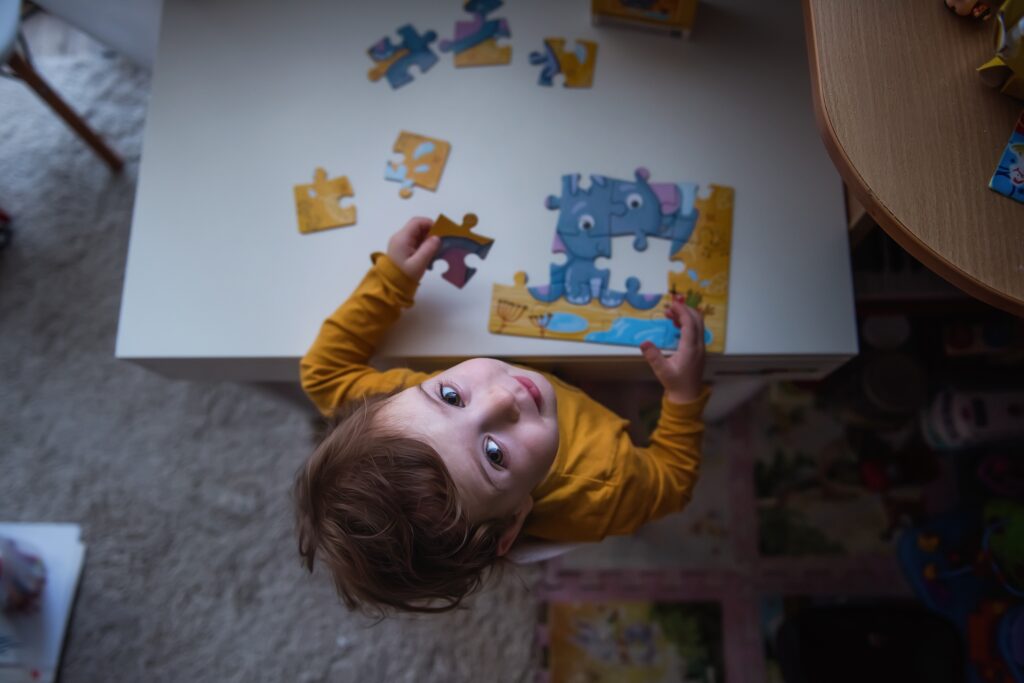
(578, 303)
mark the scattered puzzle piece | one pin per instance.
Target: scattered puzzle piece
(394, 61)
(475, 42)
(423, 163)
(318, 204)
(457, 242)
(576, 65)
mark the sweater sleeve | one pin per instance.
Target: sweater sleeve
(337, 366)
(658, 479)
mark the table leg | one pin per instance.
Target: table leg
(26, 72)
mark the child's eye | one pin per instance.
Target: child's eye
(493, 452)
(450, 396)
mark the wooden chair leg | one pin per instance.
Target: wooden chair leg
(24, 70)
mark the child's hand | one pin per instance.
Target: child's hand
(411, 249)
(681, 372)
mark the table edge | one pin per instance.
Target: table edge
(886, 219)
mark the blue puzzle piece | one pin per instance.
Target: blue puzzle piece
(583, 233)
(418, 54)
(641, 215)
(551, 66)
(637, 299)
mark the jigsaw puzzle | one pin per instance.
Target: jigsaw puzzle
(458, 242)
(318, 204)
(476, 41)
(393, 61)
(422, 165)
(1009, 176)
(577, 303)
(576, 65)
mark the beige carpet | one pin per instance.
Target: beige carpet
(181, 488)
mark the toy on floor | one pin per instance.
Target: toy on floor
(1009, 176)
(22, 577)
(318, 204)
(422, 164)
(578, 302)
(458, 242)
(576, 65)
(394, 61)
(969, 571)
(476, 41)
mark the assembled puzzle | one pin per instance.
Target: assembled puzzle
(458, 242)
(576, 65)
(393, 61)
(422, 163)
(476, 41)
(579, 305)
(318, 204)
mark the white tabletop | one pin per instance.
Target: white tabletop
(250, 96)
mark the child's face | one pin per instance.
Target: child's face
(494, 425)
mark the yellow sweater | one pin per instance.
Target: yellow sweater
(599, 485)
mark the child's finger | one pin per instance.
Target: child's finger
(654, 358)
(417, 228)
(698, 325)
(421, 258)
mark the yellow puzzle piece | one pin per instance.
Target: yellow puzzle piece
(318, 204)
(487, 53)
(578, 74)
(423, 163)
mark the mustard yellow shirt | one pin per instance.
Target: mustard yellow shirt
(600, 484)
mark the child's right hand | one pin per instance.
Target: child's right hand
(681, 373)
(411, 249)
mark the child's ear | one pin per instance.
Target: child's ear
(512, 533)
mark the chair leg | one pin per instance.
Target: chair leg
(24, 70)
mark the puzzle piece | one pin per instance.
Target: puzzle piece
(423, 163)
(394, 61)
(663, 210)
(1009, 176)
(583, 234)
(458, 242)
(576, 65)
(475, 42)
(318, 204)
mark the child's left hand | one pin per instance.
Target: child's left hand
(411, 249)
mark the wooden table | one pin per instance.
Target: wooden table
(916, 135)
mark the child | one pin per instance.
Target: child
(423, 481)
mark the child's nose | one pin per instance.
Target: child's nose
(502, 405)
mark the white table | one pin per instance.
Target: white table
(249, 96)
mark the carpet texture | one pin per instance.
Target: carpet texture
(181, 488)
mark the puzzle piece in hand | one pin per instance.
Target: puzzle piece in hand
(422, 165)
(475, 42)
(394, 61)
(318, 204)
(458, 242)
(577, 65)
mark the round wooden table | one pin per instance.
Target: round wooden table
(916, 135)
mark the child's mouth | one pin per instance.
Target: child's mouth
(532, 389)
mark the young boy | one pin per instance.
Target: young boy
(423, 481)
